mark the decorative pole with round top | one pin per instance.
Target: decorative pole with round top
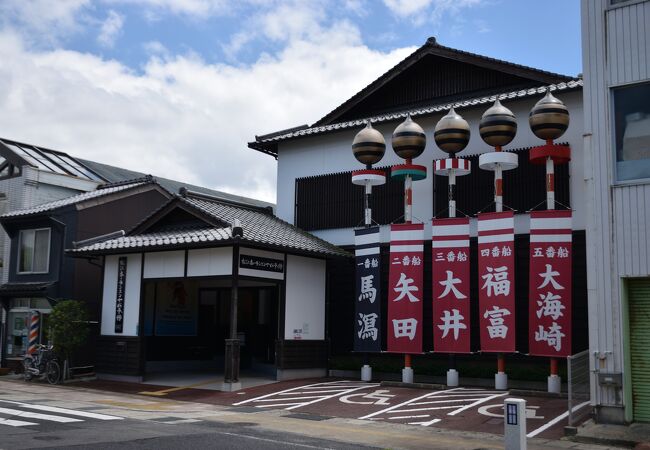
(452, 136)
(498, 128)
(548, 120)
(408, 142)
(368, 148)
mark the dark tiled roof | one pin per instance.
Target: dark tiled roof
(260, 228)
(268, 143)
(115, 174)
(25, 288)
(100, 192)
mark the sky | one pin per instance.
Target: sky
(177, 88)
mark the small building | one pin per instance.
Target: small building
(39, 274)
(616, 64)
(205, 282)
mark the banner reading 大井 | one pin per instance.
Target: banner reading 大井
(405, 288)
(367, 334)
(496, 272)
(550, 283)
(451, 301)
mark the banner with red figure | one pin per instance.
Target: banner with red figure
(405, 288)
(550, 283)
(496, 271)
(451, 310)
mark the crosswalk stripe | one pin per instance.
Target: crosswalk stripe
(69, 412)
(15, 423)
(31, 415)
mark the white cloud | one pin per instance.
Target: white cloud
(110, 29)
(422, 11)
(407, 8)
(181, 117)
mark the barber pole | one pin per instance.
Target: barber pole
(34, 331)
(548, 120)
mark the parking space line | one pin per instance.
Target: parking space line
(435, 408)
(476, 403)
(391, 408)
(425, 424)
(289, 398)
(550, 423)
(408, 417)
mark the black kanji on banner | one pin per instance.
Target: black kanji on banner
(119, 297)
(367, 335)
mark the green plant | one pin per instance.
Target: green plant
(68, 327)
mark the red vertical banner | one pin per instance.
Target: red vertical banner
(405, 288)
(451, 311)
(496, 271)
(550, 283)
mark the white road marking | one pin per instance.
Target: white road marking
(32, 415)
(478, 402)
(442, 401)
(15, 423)
(425, 424)
(408, 417)
(328, 389)
(70, 412)
(428, 394)
(434, 408)
(556, 420)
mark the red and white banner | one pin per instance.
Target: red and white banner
(405, 288)
(550, 283)
(496, 271)
(451, 312)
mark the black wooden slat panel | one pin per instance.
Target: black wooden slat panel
(332, 201)
(118, 355)
(524, 188)
(301, 354)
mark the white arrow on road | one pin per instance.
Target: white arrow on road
(378, 397)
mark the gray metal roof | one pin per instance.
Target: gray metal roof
(260, 228)
(100, 192)
(268, 143)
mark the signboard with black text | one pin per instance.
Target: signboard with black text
(119, 296)
(261, 264)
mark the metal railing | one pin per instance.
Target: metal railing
(577, 385)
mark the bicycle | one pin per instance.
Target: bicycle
(42, 363)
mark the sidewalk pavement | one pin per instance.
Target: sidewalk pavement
(636, 435)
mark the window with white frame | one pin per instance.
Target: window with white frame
(631, 113)
(34, 251)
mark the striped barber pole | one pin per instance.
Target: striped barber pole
(405, 288)
(496, 267)
(550, 283)
(34, 331)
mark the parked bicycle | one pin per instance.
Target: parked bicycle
(43, 362)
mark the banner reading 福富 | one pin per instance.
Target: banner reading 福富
(451, 308)
(550, 283)
(405, 288)
(367, 311)
(496, 272)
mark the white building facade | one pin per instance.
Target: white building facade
(616, 63)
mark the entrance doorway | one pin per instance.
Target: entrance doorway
(186, 322)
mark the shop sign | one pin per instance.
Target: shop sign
(496, 281)
(253, 262)
(405, 288)
(119, 296)
(550, 283)
(367, 335)
(450, 274)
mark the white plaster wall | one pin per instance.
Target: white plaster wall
(164, 264)
(332, 153)
(305, 298)
(131, 295)
(209, 262)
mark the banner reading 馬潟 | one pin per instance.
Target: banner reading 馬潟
(367, 311)
(496, 281)
(550, 283)
(450, 274)
(405, 288)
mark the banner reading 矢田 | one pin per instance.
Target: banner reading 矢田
(367, 311)
(451, 307)
(405, 288)
(550, 283)
(496, 272)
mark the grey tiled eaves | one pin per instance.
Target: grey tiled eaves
(259, 228)
(423, 111)
(51, 206)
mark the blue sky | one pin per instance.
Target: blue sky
(177, 87)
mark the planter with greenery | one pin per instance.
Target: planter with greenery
(67, 330)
